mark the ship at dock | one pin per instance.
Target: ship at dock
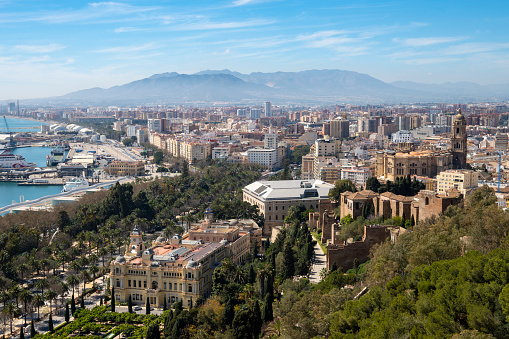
(56, 156)
(74, 184)
(14, 161)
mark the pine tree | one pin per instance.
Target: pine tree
(66, 312)
(147, 307)
(113, 299)
(50, 323)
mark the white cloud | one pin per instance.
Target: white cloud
(128, 29)
(429, 61)
(127, 49)
(237, 3)
(416, 42)
(475, 47)
(207, 25)
(38, 48)
(227, 51)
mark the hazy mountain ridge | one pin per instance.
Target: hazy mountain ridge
(311, 86)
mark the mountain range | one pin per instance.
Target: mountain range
(305, 87)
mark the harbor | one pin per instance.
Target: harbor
(44, 165)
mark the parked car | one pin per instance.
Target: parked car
(137, 308)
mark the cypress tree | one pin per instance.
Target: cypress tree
(32, 329)
(50, 323)
(147, 307)
(177, 328)
(66, 312)
(130, 305)
(289, 261)
(113, 299)
(101, 300)
(228, 312)
(153, 332)
(168, 324)
(165, 306)
(73, 305)
(267, 313)
(256, 316)
(251, 275)
(21, 333)
(82, 301)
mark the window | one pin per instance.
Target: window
(145, 284)
(129, 283)
(117, 283)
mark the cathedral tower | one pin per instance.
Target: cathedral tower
(459, 141)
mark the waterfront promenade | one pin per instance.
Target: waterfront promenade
(48, 198)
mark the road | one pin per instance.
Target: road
(320, 262)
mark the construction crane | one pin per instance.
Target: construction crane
(12, 143)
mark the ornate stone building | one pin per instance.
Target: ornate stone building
(391, 164)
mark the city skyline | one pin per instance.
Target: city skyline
(54, 48)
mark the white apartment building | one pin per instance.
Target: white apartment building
(155, 125)
(463, 180)
(220, 152)
(402, 136)
(131, 130)
(358, 175)
(141, 136)
(262, 156)
(270, 140)
(325, 147)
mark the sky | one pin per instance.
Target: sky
(50, 48)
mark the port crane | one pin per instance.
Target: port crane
(12, 143)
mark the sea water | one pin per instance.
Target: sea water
(10, 191)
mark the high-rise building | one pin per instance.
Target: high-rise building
(268, 109)
(270, 140)
(255, 113)
(501, 141)
(241, 112)
(11, 107)
(340, 128)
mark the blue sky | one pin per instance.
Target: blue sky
(55, 47)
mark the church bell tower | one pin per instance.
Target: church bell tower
(459, 141)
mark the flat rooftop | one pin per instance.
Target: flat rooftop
(289, 189)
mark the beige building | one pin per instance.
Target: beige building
(429, 163)
(237, 234)
(121, 168)
(463, 180)
(274, 198)
(174, 270)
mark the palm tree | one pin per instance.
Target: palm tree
(274, 329)
(38, 302)
(50, 295)
(62, 289)
(12, 311)
(102, 253)
(25, 296)
(21, 269)
(72, 281)
(42, 284)
(85, 276)
(94, 269)
(14, 291)
(75, 266)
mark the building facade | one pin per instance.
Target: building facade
(122, 168)
(462, 180)
(274, 198)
